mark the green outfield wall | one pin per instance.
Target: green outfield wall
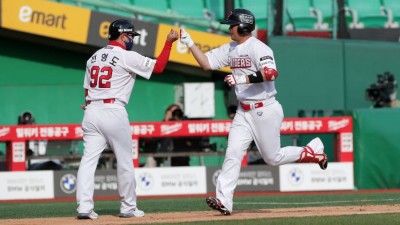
(323, 74)
(377, 148)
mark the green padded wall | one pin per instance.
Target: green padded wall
(328, 74)
(44, 80)
(364, 60)
(376, 148)
(310, 74)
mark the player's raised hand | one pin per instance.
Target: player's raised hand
(234, 80)
(173, 35)
(185, 38)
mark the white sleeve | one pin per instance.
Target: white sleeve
(86, 81)
(264, 57)
(218, 57)
(139, 64)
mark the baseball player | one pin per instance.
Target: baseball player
(110, 75)
(259, 115)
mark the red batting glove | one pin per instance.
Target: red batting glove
(230, 80)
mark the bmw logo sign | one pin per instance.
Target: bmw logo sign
(296, 176)
(68, 183)
(145, 181)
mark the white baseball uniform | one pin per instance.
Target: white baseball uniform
(261, 124)
(109, 79)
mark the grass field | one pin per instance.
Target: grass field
(270, 201)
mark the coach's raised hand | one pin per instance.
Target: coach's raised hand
(172, 36)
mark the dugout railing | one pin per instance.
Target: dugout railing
(16, 136)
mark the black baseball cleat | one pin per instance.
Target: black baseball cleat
(216, 204)
(324, 162)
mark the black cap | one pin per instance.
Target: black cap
(243, 18)
(239, 16)
(121, 26)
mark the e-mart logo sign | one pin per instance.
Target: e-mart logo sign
(143, 44)
(27, 15)
(46, 19)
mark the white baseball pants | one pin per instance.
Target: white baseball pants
(263, 126)
(106, 123)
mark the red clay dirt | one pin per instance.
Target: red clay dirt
(179, 217)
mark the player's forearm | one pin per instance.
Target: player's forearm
(162, 59)
(200, 57)
(264, 74)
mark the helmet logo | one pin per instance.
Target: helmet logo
(246, 18)
(125, 30)
(230, 13)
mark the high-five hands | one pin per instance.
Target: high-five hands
(185, 38)
(172, 36)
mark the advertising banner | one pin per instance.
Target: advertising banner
(182, 128)
(46, 18)
(26, 185)
(251, 178)
(170, 181)
(143, 44)
(105, 183)
(149, 181)
(309, 177)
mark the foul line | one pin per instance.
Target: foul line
(310, 203)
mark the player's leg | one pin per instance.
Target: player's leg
(266, 122)
(238, 141)
(94, 143)
(119, 137)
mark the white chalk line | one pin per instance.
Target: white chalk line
(310, 203)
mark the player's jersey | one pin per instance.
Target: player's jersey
(111, 73)
(245, 59)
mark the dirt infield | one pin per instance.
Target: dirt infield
(176, 217)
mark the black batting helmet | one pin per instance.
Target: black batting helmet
(242, 17)
(120, 26)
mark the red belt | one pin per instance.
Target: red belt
(251, 106)
(110, 100)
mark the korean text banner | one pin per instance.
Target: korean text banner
(46, 18)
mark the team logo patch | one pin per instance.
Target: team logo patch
(246, 19)
(147, 62)
(266, 57)
(68, 183)
(125, 30)
(235, 63)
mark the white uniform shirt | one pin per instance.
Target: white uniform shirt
(245, 59)
(111, 73)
